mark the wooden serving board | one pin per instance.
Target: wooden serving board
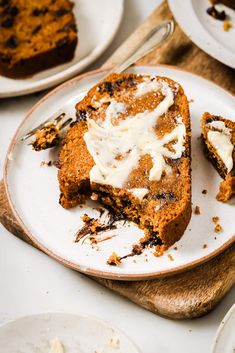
(195, 292)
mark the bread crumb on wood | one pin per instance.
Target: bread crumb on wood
(218, 228)
(170, 257)
(204, 246)
(197, 210)
(114, 259)
(227, 25)
(215, 219)
(204, 191)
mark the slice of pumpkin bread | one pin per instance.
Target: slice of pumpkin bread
(35, 35)
(218, 135)
(130, 149)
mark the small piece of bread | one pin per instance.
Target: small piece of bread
(35, 35)
(218, 135)
(114, 260)
(227, 25)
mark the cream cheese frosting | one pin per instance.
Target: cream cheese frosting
(140, 193)
(147, 86)
(117, 145)
(221, 141)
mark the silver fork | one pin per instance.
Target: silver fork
(153, 39)
(57, 122)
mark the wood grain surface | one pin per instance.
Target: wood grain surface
(195, 292)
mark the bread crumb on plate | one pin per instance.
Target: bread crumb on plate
(170, 257)
(46, 164)
(227, 25)
(215, 219)
(218, 228)
(114, 259)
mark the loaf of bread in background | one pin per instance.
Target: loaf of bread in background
(35, 35)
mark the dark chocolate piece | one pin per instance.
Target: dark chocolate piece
(61, 12)
(8, 22)
(218, 15)
(40, 11)
(12, 42)
(37, 29)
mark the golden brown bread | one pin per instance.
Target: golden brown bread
(35, 35)
(227, 186)
(166, 209)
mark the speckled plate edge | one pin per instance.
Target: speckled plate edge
(221, 330)
(90, 271)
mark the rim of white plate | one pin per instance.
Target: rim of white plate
(198, 34)
(81, 315)
(87, 270)
(221, 329)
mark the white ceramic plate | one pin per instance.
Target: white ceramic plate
(77, 333)
(33, 191)
(97, 23)
(206, 32)
(225, 336)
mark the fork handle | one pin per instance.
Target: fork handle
(153, 39)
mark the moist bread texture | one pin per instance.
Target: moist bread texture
(227, 186)
(35, 35)
(164, 209)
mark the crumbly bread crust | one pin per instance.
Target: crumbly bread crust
(227, 186)
(35, 35)
(165, 211)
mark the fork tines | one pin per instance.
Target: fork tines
(50, 120)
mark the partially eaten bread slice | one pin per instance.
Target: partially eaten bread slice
(130, 150)
(218, 135)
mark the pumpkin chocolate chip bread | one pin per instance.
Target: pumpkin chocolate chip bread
(130, 150)
(218, 135)
(35, 35)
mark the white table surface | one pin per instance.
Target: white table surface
(31, 282)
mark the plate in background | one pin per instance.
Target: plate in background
(77, 333)
(206, 32)
(96, 30)
(33, 191)
(225, 335)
